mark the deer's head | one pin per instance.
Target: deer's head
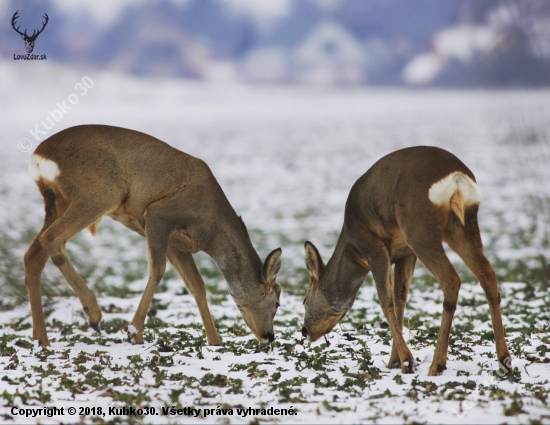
(29, 39)
(324, 306)
(258, 307)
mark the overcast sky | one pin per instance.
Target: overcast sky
(105, 12)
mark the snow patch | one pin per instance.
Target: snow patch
(132, 330)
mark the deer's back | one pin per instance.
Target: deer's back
(119, 153)
(135, 167)
(401, 179)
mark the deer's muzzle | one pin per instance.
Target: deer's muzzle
(269, 336)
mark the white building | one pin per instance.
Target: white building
(328, 55)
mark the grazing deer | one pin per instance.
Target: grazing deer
(169, 197)
(402, 209)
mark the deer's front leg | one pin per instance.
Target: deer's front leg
(157, 232)
(185, 266)
(404, 269)
(379, 261)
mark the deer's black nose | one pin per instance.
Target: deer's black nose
(304, 332)
(269, 336)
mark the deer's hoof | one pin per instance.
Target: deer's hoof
(437, 369)
(408, 366)
(135, 336)
(136, 339)
(42, 339)
(43, 342)
(394, 364)
(505, 363)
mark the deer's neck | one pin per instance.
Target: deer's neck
(237, 259)
(344, 273)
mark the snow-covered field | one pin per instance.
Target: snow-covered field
(286, 158)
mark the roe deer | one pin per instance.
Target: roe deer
(169, 197)
(402, 209)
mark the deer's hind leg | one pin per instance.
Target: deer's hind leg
(403, 273)
(426, 242)
(466, 242)
(78, 215)
(185, 266)
(35, 259)
(432, 255)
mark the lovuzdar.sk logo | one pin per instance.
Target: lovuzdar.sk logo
(29, 39)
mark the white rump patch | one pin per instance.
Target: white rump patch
(40, 167)
(441, 192)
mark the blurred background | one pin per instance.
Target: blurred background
(289, 102)
(458, 43)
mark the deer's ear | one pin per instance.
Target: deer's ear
(277, 289)
(314, 263)
(272, 265)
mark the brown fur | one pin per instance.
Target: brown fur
(167, 196)
(389, 220)
(93, 227)
(457, 205)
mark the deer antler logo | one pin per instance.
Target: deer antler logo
(29, 39)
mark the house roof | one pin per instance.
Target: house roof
(329, 43)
